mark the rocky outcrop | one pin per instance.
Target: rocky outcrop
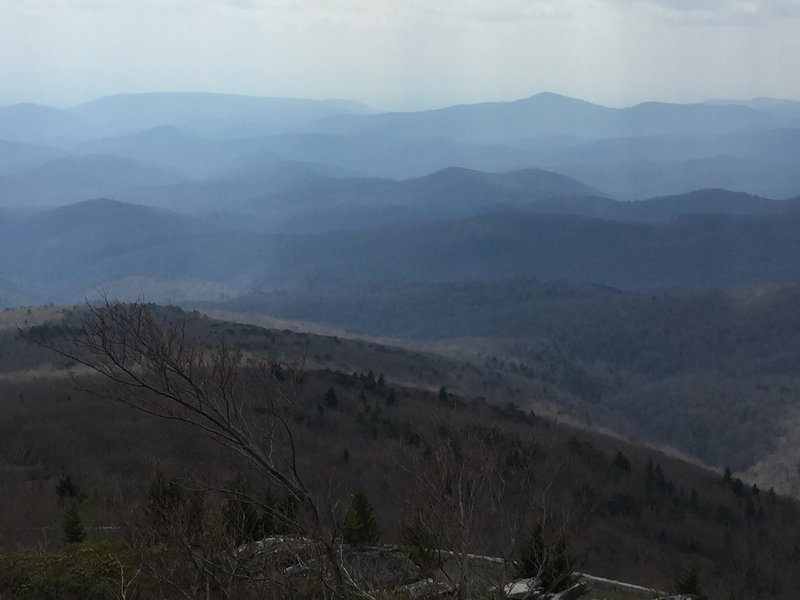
(530, 589)
(380, 567)
(388, 569)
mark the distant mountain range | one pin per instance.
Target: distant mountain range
(72, 179)
(217, 115)
(550, 114)
(67, 253)
(652, 149)
(271, 193)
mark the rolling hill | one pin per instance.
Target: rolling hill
(15, 156)
(44, 125)
(349, 203)
(71, 179)
(734, 250)
(168, 146)
(711, 373)
(547, 114)
(353, 203)
(77, 248)
(218, 115)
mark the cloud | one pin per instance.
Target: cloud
(715, 12)
(478, 10)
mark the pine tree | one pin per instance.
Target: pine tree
(649, 474)
(359, 525)
(70, 495)
(370, 382)
(72, 527)
(69, 491)
(622, 462)
(331, 400)
(688, 582)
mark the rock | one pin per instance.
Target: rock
(530, 589)
(576, 591)
(382, 567)
(427, 589)
(279, 546)
(522, 589)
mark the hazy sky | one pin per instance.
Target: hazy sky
(401, 53)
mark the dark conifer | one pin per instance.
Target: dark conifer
(72, 527)
(688, 582)
(359, 525)
(331, 400)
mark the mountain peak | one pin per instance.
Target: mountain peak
(555, 99)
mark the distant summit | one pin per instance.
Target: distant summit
(205, 112)
(547, 115)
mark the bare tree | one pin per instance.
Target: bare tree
(480, 489)
(473, 485)
(140, 356)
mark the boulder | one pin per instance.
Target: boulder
(427, 589)
(381, 567)
(523, 589)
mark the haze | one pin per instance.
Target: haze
(400, 55)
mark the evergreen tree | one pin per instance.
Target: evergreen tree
(622, 462)
(331, 400)
(688, 582)
(661, 481)
(649, 474)
(370, 382)
(72, 527)
(70, 495)
(359, 525)
(69, 491)
(443, 393)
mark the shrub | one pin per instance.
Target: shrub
(78, 572)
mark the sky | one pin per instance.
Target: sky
(401, 54)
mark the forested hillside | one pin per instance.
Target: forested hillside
(711, 373)
(361, 411)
